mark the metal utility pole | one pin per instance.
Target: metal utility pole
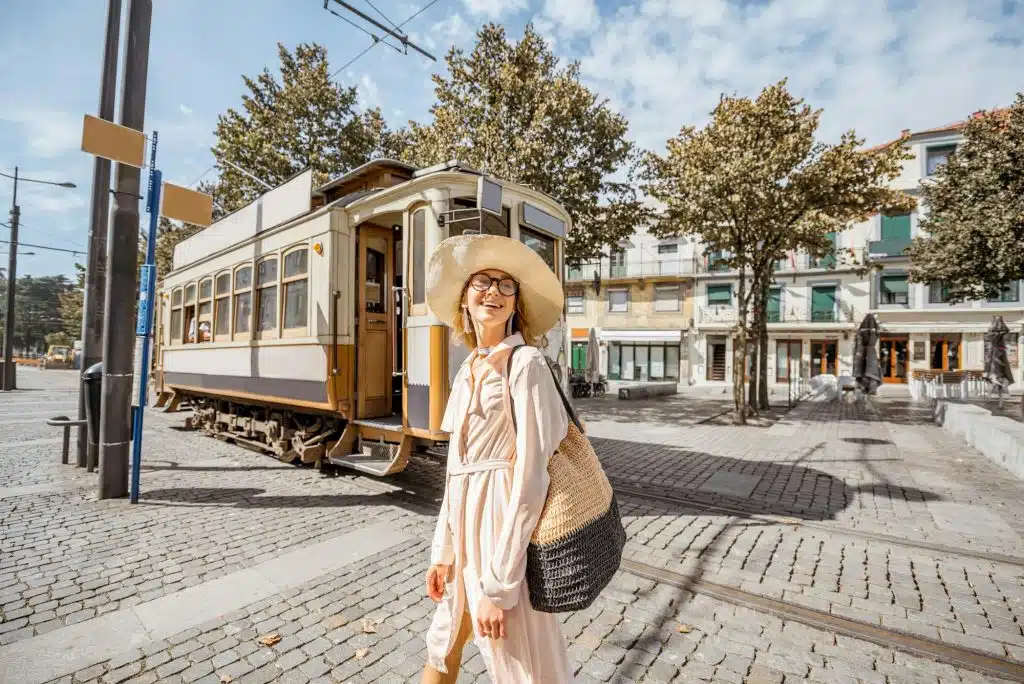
(96, 266)
(12, 285)
(122, 245)
(8, 379)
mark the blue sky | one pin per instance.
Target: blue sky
(874, 66)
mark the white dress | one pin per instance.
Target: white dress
(490, 509)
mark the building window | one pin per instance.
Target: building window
(828, 260)
(773, 312)
(176, 330)
(945, 352)
(1010, 293)
(938, 293)
(541, 244)
(666, 297)
(720, 295)
(643, 361)
(243, 300)
(937, 156)
(574, 304)
(296, 289)
(823, 304)
(717, 261)
(896, 227)
(668, 248)
(222, 307)
(618, 264)
(266, 295)
(618, 301)
(893, 289)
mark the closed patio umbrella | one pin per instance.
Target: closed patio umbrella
(593, 368)
(866, 370)
(997, 363)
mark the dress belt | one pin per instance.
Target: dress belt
(480, 466)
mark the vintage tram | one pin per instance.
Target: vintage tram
(299, 325)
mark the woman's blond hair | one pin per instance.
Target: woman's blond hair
(460, 335)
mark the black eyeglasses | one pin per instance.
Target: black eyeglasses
(481, 282)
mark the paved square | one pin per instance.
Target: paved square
(868, 514)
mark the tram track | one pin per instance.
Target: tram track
(897, 640)
(832, 530)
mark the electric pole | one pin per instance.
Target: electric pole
(12, 285)
(95, 269)
(122, 246)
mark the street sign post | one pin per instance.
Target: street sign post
(144, 323)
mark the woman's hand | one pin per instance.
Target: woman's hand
(490, 619)
(437, 575)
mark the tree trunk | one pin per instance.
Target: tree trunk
(739, 352)
(762, 357)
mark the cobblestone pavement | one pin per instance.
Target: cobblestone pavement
(210, 509)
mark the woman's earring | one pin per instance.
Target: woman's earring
(467, 324)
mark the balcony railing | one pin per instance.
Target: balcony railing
(717, 313)
(818, 316)
(641, 269)
(893, 247)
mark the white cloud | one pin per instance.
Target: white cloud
(871, 66)
(185, 110)
(369, 92)
(572, 16)
(494, 9)
(47, 133)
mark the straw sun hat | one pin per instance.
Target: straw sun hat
(459, 257)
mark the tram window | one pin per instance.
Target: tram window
(296, 301)
(190, 294)
(222, 306)
(243, 300)
(266, 296)
(470, 222)
(419, 256)
(176, 316)
(205, 317)
(374, 282)
(541, 244)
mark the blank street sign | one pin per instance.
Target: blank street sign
(111, 141)
(186, 205)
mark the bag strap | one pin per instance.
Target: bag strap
(561, 393)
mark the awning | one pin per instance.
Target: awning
(641, 335)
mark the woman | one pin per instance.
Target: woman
(496, 294)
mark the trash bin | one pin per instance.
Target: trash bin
(92, 385)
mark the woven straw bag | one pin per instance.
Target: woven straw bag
(576, 548)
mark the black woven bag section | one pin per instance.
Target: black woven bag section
(568, 574)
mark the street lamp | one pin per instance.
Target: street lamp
(12, 268)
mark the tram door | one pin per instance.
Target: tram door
(375, 321)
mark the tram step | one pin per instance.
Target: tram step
(366, 463)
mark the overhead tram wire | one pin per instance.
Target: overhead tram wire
(371, 45)
(376, 38)
(398, 29)
(52, 249)
(7, 225)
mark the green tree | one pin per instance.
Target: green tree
(974, 225)
(302, 119)
(59, 338)
(755, 184)
(36, 309)
(69, 305)
(509, 109)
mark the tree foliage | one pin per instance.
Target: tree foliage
(36, 309)
(70, 303)
(302, 119)
(511, 110)
(755, 183)
(974, 242)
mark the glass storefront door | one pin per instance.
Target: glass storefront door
(824, 355)
(893, 357)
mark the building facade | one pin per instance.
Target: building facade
(666, 310)
(639, 303)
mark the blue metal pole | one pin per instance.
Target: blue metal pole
(144, 325)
